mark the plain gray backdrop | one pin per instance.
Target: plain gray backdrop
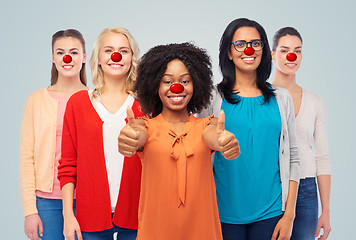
(327, 27)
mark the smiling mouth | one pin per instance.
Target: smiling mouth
(115, 65)
(68, 66)
(248, 59)
(176, 99)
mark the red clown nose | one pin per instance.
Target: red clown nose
(116, 56)
(291, 57)
(176, 88)
(67, 58)
(249, 51)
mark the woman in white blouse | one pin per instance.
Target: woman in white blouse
(310, 115)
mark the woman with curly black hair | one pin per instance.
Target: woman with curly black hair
(178, 198)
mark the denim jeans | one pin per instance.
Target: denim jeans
(306, 214)
(109, 234)
(50, 212)
(261, 230)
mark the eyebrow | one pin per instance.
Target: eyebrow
(249, 41)
(288, 47)
(119, 48)
(61, 49)
(184, 74)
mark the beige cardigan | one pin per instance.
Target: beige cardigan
(37, 147)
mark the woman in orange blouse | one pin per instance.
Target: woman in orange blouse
(177, 188)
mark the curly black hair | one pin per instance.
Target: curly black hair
(153, 65)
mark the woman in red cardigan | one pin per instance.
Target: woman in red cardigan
(107, 183)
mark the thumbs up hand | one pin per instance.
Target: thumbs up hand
(228, 144)
(129, 136)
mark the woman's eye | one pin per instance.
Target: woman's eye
(74, 53)
(60, 53)
(298, 51)
(108, 51)
(240, 44)
(124, 51)
(185, 82)
(283, 51)
(167, 82)
(256, 44)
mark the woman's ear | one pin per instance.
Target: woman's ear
(272, 54)
(229, 55)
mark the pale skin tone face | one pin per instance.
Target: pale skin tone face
(115, 42)
(287, 44)
(68, 46)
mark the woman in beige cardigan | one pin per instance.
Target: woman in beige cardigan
(310, 116)
(41, 135)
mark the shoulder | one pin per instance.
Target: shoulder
(136, 108)
(312, 97)
(40, 93)
(78, 97)
(279, 91)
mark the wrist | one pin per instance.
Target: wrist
(289, 215)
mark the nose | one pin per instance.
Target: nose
(291, 57)
(249, 51)
(67, 58)
(176, 88)
(116, 56)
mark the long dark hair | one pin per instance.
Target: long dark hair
(74, 34)
(227, 66)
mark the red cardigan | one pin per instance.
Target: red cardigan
(83, 163)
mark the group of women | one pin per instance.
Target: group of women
(129, 159)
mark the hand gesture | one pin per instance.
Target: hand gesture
(228, 144)
(129, 136)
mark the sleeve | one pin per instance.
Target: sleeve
(27, 161)
(321, 141)
(293, 144)
(67, 169)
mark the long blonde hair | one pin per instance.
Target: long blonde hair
(97, 71)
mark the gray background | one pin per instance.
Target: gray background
(328, 29)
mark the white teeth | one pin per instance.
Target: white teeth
(176, 98)
(248, 59)
(67, 67)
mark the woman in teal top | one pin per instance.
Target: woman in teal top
(253, 179)
(256, 192)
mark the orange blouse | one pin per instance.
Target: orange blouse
(178, 199)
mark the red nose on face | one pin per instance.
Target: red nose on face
(176, 88)
(249, 51)
(116, 56)
(67, 58)
(291, 57)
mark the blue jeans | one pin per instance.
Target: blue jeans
(50, 212)
(261, 230)
(122, 234)
(306, 214)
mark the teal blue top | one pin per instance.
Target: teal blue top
(249, 187)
